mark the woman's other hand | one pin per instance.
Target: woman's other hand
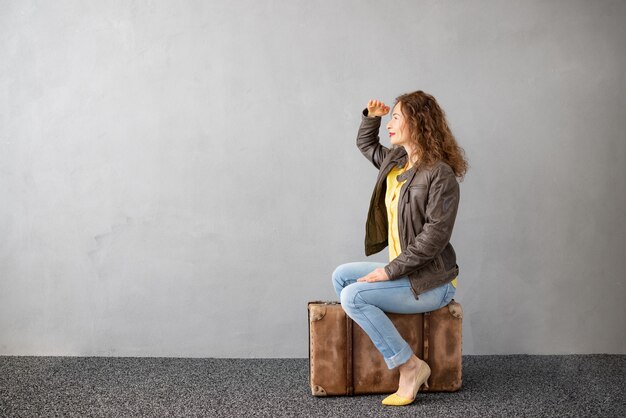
(378, 275)
(376, 108)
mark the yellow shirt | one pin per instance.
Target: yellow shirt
(391, 202)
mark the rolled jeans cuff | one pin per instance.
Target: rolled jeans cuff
(399, 359)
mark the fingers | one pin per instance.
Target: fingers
(377, 107)
(376, 103)
(378, 275)
(368, 279)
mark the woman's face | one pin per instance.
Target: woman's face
(398, 133)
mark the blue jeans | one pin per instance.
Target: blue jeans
(366, 303)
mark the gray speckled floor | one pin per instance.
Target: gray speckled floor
(518, 385)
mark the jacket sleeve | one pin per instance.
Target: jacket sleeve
(441, 209)
(368, 140)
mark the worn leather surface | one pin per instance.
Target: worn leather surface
(444, 348)
(327, 349)
(345, 363)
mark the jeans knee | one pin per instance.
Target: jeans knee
(349, 297)
(338, 276)
(344, 298)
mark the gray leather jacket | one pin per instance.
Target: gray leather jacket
(427, 208)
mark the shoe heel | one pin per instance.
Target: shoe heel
(426, 385)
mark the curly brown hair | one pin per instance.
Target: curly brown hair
(429, 132)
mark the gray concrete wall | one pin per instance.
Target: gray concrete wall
(180, 178)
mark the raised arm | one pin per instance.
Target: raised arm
(367, 139)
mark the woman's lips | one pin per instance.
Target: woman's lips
(391, 134)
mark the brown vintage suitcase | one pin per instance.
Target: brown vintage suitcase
(344, 361)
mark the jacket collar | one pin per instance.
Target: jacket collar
(399, 159)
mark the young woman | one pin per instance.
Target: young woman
(412, 211)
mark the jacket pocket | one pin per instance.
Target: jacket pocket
(418, 190)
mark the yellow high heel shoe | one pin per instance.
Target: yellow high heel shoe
(420, 379)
